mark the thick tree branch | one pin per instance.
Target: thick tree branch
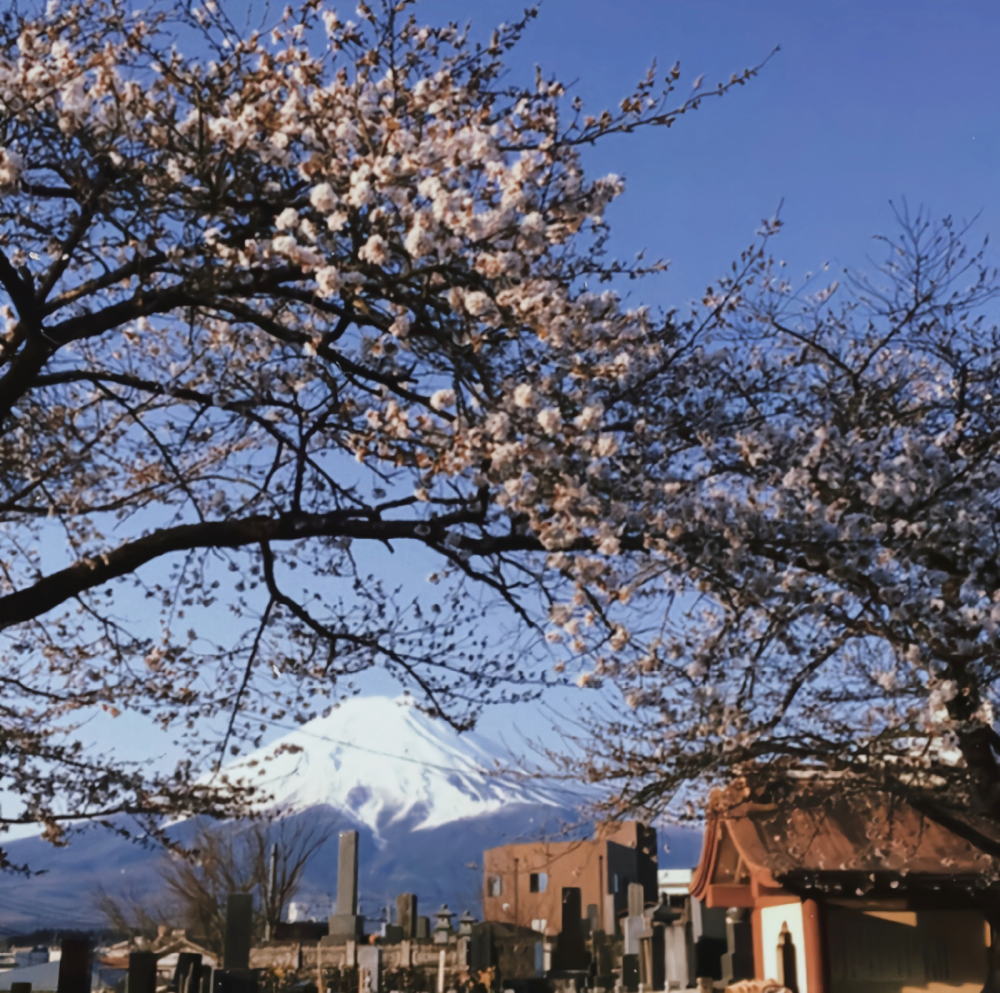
(55, 589)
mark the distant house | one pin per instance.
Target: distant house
(523, 884)
(168, 946)
(845, 894)
(44, 977)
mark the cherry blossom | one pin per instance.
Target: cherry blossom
(331, 286)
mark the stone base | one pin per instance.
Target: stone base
(347, 927)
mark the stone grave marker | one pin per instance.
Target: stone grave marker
(142, 972)
(239, 931)
(406, 914)
(346, 924)
(75, 966)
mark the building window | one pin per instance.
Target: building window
(539, 925)
(494, 886)
(539, 882)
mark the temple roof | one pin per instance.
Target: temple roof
(763, 845)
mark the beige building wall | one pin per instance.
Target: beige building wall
(583, 864)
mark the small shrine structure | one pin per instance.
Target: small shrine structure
(836, 892)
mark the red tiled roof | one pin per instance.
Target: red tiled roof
(854, 833)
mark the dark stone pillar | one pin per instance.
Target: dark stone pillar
(630, 973)
(188, 972)
(239, 931)
(75, 966)
(205, 979)
(571, 950)
(142, 972)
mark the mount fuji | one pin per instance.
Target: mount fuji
(385, 764)
(425, 800)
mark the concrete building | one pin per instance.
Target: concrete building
(523, 884)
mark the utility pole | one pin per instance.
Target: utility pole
(273, 911)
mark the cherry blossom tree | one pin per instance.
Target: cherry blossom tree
(274, 299)
(826, 532)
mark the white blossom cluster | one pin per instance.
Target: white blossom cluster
(331, 284)
(826, 525)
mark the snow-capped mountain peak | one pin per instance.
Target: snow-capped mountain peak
(382, 763)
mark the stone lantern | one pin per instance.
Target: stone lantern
(442, 924)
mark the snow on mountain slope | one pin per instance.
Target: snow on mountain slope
(426, 800)
(384, 764)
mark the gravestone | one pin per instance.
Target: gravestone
(630, 973)
(423, 928)
(788, 972)
(188, 972)
(345, 924)
(634, 924)
(205, 979)
(142, 972)
(636, 899)
(75, 966)
(481, 953)
(603, 961)
(570, 952)
(239, 931)
(406, 914)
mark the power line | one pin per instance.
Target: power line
(390, 755)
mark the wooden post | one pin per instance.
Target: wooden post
(516, 920)
(815, 968)
(602, 891)
(757, 930)
(272, 889)
(320, 980)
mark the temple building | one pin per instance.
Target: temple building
(845, 894)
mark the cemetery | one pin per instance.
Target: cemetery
(851, 894)
(322, 372)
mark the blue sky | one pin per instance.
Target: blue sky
(865, 102)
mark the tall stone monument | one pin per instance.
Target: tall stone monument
(406, 914)
(239, 932)
(346, 924)
(635, 923)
